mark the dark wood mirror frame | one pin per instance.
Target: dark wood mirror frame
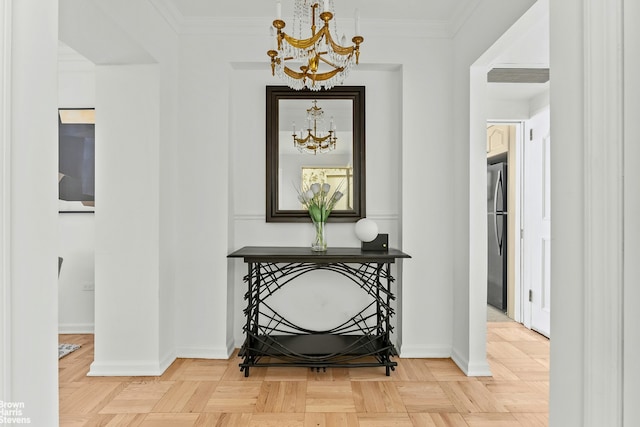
(354, 93)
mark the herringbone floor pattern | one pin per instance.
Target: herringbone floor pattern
(421, 392)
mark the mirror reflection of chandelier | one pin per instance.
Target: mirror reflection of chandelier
(315, 141)
(322, 62)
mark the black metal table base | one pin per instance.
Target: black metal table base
(361, 341)
(314, 351)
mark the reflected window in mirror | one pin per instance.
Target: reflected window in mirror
(338, 178)
(315, 137)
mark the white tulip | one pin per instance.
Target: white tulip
(309, 194)
(315, 187)
(326, 187)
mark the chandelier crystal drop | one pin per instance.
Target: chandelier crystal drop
(309, 57)
(315, 141)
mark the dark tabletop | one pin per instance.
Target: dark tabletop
(304, 254)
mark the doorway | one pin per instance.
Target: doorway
(524, 147)
(504, 90)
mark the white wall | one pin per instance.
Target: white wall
(202, 321)
(383, 153)
(593, 167)
(631, 214)
(76, 89)
(127, 221)
(76, 247)
(566, 406)
(29, 209)
(5, 176)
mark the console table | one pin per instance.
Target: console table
(361, 341)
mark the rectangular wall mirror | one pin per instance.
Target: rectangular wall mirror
(336, 156)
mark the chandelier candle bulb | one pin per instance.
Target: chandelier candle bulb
(279, 9)
(357, 19)
(272, 33)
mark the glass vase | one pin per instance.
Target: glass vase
(319, 242)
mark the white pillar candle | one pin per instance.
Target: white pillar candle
(326, 6)
(272, 34)
(294, 128)
(278, 10)
(357, 18)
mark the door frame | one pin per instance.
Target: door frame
(5, 179)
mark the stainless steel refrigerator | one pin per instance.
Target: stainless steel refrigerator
(497, 235)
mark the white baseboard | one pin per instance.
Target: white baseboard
(127, 368)
(167, 361)
(151, 368)
(471, 369)
(76, 328)
(205, 352)
(420, 352)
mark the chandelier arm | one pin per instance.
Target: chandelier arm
(326, 61)
(303, 43)
(320, 138)
(340, 50)
(296, 75)
(318, 76)
(302, 141)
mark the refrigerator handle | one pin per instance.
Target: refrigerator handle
(498, 186)
(495, 228)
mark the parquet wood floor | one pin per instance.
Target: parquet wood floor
(421, 392)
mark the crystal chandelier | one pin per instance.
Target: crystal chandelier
(314, 141)
(322, 62)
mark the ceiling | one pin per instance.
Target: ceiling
(530, 49)
(430, 10)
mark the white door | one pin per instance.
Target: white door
(537, 220)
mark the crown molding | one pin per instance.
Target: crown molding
(402, 28)
(169, 12)
(460, 16)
